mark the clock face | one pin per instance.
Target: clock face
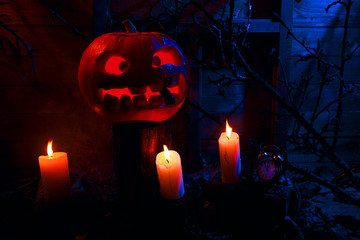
(266, 170)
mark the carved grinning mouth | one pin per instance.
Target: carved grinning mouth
(139, 98)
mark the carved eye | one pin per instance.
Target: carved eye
(112, 63)
(167, 55)
(116, 65)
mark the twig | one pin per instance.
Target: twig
(203, 111)
(25, 44)
(231, 14)
(311, 51)
(339, 110)
(226, 81)
(320, 92)
(352, 53)
(323, 182)
(249, 13)
(303, 89)
(333, 4)
(63, 20)
(328, 105)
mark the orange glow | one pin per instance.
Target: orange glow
(228, 129)
(49, 148)
(125, 91)
(167, 155)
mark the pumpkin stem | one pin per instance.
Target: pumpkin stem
(129, 26)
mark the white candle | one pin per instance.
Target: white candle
(168, 165)
(230, 161)
(55, 177)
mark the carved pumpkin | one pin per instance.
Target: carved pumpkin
(132, 76)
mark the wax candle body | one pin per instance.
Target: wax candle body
(170, 175)
(230, 161)
(55, 176)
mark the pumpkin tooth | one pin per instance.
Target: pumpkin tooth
(125, 101)
(139, 100)
(110, 101)
(155, 101)
(137, 90)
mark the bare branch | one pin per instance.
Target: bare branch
(328, 105)
(203, 111)
(337, 190)
(339, 109)
(226, 81)
(352, 53)
(19, 40)
(335, 3)
(311, 51)
(63, 20)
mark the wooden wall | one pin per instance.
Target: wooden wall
(32, 111)
(311, 23)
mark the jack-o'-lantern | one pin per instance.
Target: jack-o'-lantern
(133, 76)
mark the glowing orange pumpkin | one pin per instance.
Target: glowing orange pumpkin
(132, 76)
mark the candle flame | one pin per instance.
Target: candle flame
(228, 129)
(167, 155)
(49, 148)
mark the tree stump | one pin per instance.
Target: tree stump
(135, 145)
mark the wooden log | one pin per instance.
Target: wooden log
(135, 145)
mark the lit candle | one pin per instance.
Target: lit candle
(230, 162)
(168, 165)
(55, 178)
